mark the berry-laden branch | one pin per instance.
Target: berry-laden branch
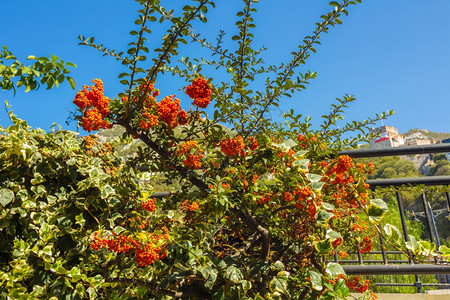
(174, 36)
(277, 85)
(156, 289)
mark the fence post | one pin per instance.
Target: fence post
(417, 282)
(428, 218)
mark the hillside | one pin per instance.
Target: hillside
(425, 134)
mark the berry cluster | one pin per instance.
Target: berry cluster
(304, 140)
(365, 245)
(146, 253)
(252, 143)
(93, 104)
(338, 173)
(232, 146)
(355, 283)
(336, 242)
(265, 198)
(200, 91)
(192, 153)
(149, 204)
(118, 244)
(189, 207)
(170, 112)
(305, 193)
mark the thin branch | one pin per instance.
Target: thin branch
(255, 226)
(298, 57)
(215, 50)
(175, 35)
(138, 48)
(281, 208)
(154, 71)
(155, 289)
(165, 156)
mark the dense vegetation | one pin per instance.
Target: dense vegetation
(257, 211)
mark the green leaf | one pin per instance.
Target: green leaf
(316, 280)
(324, 246)
(234, 275)
(246, 285)
(71, 82)
(341, 289)
(288, 144)
(412, 244)
(283, 275)
(79, 289)
(209, 274)
(427, 247)
(119, 229)
(107, 190)
(376, 210)
(393, 232)
(445, 251)
(6, 196)
(258, 297)
(334, 269)
(299, 154)
(316, 186)
(301, 163)
(313, 177)
(327, 206)
(324, 216)
(333, 235)
(277, 266)
(60, 269)
(278, 285)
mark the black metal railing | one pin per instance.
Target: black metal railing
(438, 270)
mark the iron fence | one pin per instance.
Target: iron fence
(394, 269)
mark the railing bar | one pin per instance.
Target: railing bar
(379, 252)
(396, 269)
(374, 261)
(383, 249)
(427, 217)
(402, 215)
(397, 182)
(336, 257)
(382, 245)
(411, 284)
(406, 150)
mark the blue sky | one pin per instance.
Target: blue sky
(389, 54)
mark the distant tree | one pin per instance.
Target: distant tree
(440, 167)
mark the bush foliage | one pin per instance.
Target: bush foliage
(258, 210)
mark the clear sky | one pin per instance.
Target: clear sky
(391, 54)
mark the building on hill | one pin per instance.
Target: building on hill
(418, 138)
(388, 137)
(419, 142)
